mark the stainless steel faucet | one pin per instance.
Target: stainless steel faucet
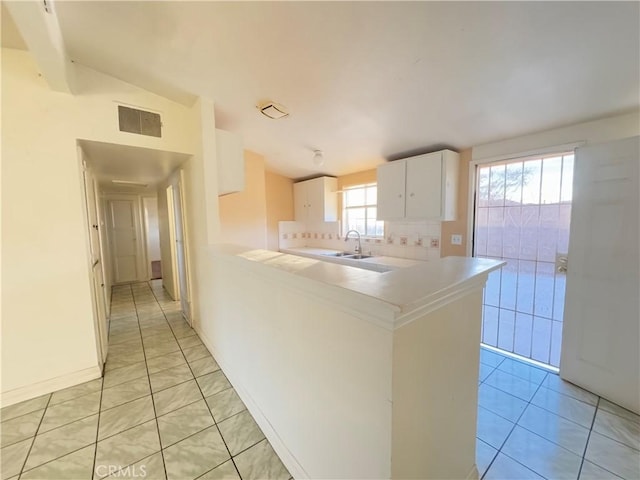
(359, 247)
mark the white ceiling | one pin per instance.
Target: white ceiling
(367, 81)
(110, 161)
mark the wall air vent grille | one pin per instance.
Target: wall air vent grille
(132, 120)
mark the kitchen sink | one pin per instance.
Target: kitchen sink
(353, 260)
(353, 256)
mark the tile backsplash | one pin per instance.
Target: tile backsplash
(418, 240)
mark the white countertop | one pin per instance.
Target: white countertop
(404, 289)
(385, 264)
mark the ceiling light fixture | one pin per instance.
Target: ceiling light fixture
(130, 183)
(273, 110)
(318, 158)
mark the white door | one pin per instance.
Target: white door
(601, 335)
(173, 285)
(424, 186)
(181, 251)
(99, 308)
(97, 281)
(124, 240)
(522, 216)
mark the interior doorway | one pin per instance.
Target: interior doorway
(522, 216)
(126, 246)
(152, 236)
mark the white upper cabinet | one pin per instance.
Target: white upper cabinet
(230, 157)
(391, 189)
(423, 187)
(315, 201)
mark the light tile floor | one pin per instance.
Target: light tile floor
(163, 410)
(532, 425)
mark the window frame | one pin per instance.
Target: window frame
(365, 205)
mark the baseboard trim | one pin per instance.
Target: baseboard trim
(288, 459)
(34, 390)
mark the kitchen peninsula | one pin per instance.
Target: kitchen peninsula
(350, 372)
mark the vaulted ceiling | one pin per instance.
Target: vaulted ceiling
(368, 81)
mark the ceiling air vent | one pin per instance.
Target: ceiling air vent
(273, 110)
(138, 121)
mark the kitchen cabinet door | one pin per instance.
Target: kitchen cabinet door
(424, 187)
(300, 201)
(315, 201)
(391, 190)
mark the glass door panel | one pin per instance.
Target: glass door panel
(523, 210)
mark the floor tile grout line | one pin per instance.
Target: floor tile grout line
(153, 403)
(586, 445)
(71, 400)
(128, 401)
(52, 460)
(33, 439)
(582, 457)
(515, 424)
(165, 447)
(183, 406)
(547, 388)
(250, 446)
(603, 434)
(130, 428)
(551, 441)
(195, 401)
(618, 415)
(517, 376)
(95, 450)
(68, 453)
(534, 384)
(69, 423)
(571, 396)
(204, 398)
(521, 376)
(557, 414)
(516, 461)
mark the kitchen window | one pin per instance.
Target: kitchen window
(359, 210)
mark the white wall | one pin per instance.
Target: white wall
(201, 205)
(315, 373)
(597, 131)
(48, 337)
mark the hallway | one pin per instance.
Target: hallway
(163, 410)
